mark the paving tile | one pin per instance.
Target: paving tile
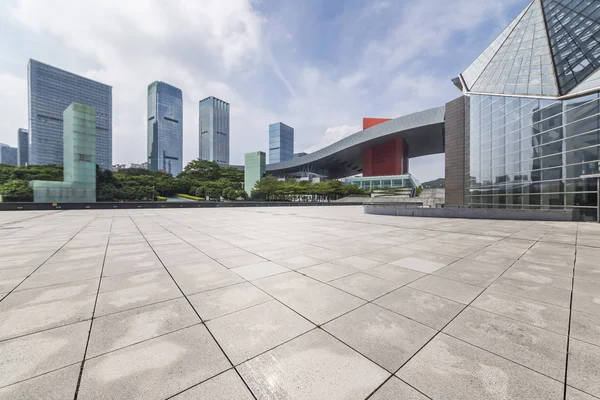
(586, 297)
(328, 255)
(365, 286)
(448, 368)
(261, 270)
(425, 262)
(389, 254)
(313, 366)
(227, 386)
(356, 262)
(135, 262)
(382, 336)
(542, 315)
(539, 278)
(574, 394)
(536, 348)
(326, 272)
(395, 273)
(38, 353)
(542, 293)
(133, 279)
(136, 296)
(154, 369)
(56, 385)
(314, 300)
(298, 262)
(395, 389)
(196, 278)
(218, 302)
(585, 327)
(241, 260)
(446, 288)
(545, 268)
(422, 307)
(247, 333)
(584, 367)
(122, 329)
(48, 277)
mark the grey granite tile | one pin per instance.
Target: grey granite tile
(297, 262)
(313, 366)
(448, 368)
(384, 337)
(55, 385)
(135, 296)
(534, 291)
(227, 386)
(586, 296)
(326, 272)
(585, 327)
(584, 367)
(154, 369)
(545, 268)
(249, 332)
(574, 394)
(473, 272)
(365, 286)
(536, 348)
(356, 262)
(539, 278)
(200, 277)
(446, 288)
(218, 302)
(395, 389)
(422, 307)
(389, 254)
(260, 270)
(241, 260)
(425, 262)
(395, 273)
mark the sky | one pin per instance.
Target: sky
(319, 66)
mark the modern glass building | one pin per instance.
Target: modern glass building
(79, 160)
(165, 128)
(384, 182)
(532, 106)
(214, 130)
(281, 142)
(254, 169)
(23, 141)
(50, 92)
(8, 155)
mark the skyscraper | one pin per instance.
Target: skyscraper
(254, 169)
(50, 92)
(214, 130)
(165, 128)
(8, 155)
(281, 142)
(23, 142)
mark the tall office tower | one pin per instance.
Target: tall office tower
(79, 160)
(214, 130)
(8, 155)
(254, 169)
(165, 128)
(281, 142)
(23, 142)
(50, 92)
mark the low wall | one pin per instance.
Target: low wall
(132, 205)
(472, 213)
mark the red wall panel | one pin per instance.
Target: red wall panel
(369, 122)
(386, 159)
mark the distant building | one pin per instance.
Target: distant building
(118, 167)
(214, 130)
(281, 142)
(165, 128)
(143, 165)
(50, 92)
(254, 169)
(23, 143)
(8, 155)
(301, 154)
(79, 160)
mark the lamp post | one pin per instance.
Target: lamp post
(153, 193)
(597, 176)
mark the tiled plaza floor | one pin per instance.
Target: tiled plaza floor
(296, 303)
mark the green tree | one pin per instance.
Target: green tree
(202, 171)
(16, 190)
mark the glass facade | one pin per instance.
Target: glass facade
(574, 33)
(165, 128)
(50, 92)
(281, 143)
(214, 130)
(384, 182)
(8, 155)
(254, 169)
(531, 153)
(23, 138)
(79, 160)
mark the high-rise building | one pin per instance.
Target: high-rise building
(214, 130)
(8, 155)
(281, 142)
(23, 142)
(79, 160)
(50, 92)
(165, 128)
(254, 169)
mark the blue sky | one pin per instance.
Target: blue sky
(317, 65)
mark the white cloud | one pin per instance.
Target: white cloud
(333, 135)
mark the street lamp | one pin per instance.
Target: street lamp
(597, 176)
(153, 193)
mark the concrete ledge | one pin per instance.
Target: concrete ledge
(472, 213)
(132, 205)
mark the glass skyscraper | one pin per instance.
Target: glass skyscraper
(23, 141)
(165, 128)
(281, 142)
(214, 130)
(8, 155)
(50, 92)
(533, 112)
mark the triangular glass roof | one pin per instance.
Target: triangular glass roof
(550, 49)
(574, 33)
